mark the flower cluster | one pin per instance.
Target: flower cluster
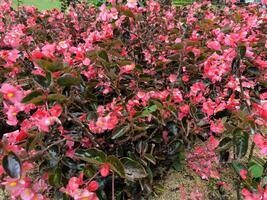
(97, 98)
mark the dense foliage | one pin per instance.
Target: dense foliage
(97, 103)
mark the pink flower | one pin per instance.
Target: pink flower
(10, 56)
(14, 186)
(43, 119)
(27, 194)
(213, 143)
(84, 194)
(73, 185)
(177, 95)
(243, 173)
(11, 113)
(103, 123)
(215, 45)
(185, 109)
(127, 68)
(208, 107)
(93, 186)
(104, 171)
(11, 93)
(217, 127)
(172, 78)
(264, 2)
(261, 142)
(131, 3)
(48, 50)
(177, 40)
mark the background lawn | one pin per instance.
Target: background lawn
(40, 4)
(49, 4)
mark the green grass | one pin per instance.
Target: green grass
(40, 4)
(49, 4)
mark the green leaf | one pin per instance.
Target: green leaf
(68, 80)
(152, 108)
(116, 165)
(44, 81)
(177, 165)
(158, 103)
(238, 167)
(150, 158)
(50, 65)
(93, 156)
(56, 97)
(141, 147)
(55, 179)
(242, 51)
(103, 54)
(120, 131)
(32, 97)
(225, 141)
(256, 171)
(240, 142)
(133, 169)
(235, 65)
(128, 13)
(12, 165)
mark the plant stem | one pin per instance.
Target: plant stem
(113, 186)
(238, 189)
(251, 151)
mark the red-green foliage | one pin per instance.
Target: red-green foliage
(98, 103)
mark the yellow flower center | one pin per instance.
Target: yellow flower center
(27, 192)
(13, 184)
(10, 94)
(14, 114)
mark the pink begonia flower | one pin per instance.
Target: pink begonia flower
(261, 143)
(243, 173)
(177, 95)
(217, 127)
(27, 194)
(127, 68)
(11, 113)
(10, 56)
(264, 2)
(213, 143)
(177, 40)
(131, 3)
(11, 93)
(43, 119)
(48, 50)
(172, 78)
(84, 194)
(208, 107)
(259, 195)
(215, 45)
(14, 186)
(104, 170)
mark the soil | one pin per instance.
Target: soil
(191, 182)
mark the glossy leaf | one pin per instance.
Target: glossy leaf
(150, 158)
(32, 97)
(55, 179)
(12, 165)
(256, 171)
(93, 156)
(103, 55)
(133, 169)
(116, 165)
(240, 142)
(120, 131)
(68, 80)
(56, 97)
(242, 51)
